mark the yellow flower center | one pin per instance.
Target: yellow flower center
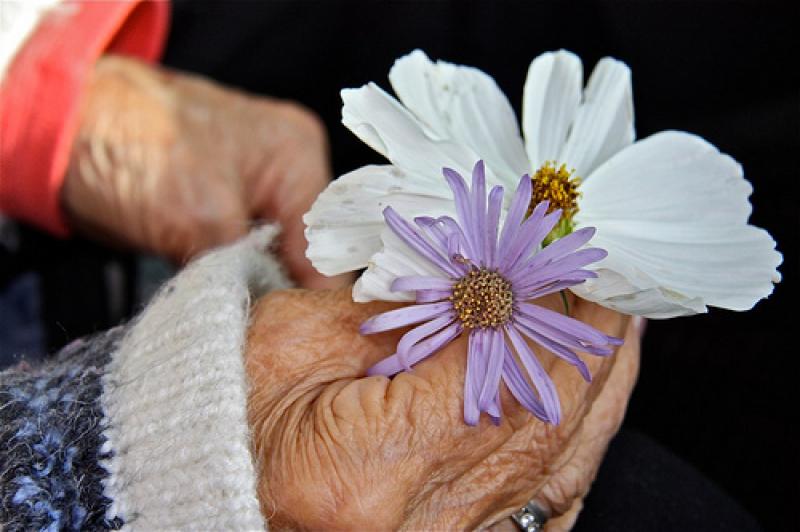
(482, 298)
(557, 185)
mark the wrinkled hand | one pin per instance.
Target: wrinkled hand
(175, 164)
(337, 450)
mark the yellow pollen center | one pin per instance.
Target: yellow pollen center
(556, 185)
(482, 298)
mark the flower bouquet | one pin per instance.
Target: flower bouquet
(656, 228)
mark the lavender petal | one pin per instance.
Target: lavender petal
(434, 343)
(526, 292)
(561, 336)
(558, 249)
(424, 220)
(561, 267)
(391, 364)
(495, 410)
(516, 214)
(519, 386)
(473, 377)
(415, 241)
(421, 282)
(454, 248)
(530, 236)
(532, 283)
(492, 222)
(453, 227)
(554, 347)
(613, 340)
(432, 230)
(401, 317)
(417, 334)
(478, 197)
(431, 296)
(586, 333)
(493, 353)
(386, 367)
(463, 207)
(514, 247)
(533, 235)
(447, 239)
(544, 385)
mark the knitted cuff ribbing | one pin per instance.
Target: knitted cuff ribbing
(175, 396)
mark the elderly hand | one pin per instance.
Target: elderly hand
(174, 164)
(338, 450)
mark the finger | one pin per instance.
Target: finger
(292, 243)
(421, 410)
(504, 525)
(290, 170)
(141, 173)
(507, 464)
(320, 330)
(570, 384)
(480, 469)
(575, 392)
(300, 340)
(562, 494)
(570, 479)
(197, 220)
(565, 521)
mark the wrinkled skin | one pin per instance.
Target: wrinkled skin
(338, 450)
(175, 164)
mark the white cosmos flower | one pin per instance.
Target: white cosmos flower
(670, 209)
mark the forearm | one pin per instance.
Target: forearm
(43, 72)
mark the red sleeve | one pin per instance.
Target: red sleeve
(40, 96)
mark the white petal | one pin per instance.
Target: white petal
(395, 260)
(550, 100)
(390, 129)
(612, 290)
(465, 105)
(604, 121)
(672, 211)
(344, 225)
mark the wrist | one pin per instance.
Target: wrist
(43, 87)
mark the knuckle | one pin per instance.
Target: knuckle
(410, 392)
(280, 307)
(307, 124)
(204, 213)
(360, 404)
(210, 219)
(563, 489)
(341, 466)
(413, 402)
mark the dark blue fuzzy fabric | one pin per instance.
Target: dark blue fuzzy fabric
(51, 424)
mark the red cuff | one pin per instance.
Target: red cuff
(40, 96)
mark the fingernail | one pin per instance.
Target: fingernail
(640, 324)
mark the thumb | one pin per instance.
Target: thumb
(286, 165)
(212, 217)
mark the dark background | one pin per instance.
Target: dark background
(719, 389)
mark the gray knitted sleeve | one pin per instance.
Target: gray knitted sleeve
(51, 434)
(143, 427)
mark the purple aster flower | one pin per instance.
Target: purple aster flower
(487, 277)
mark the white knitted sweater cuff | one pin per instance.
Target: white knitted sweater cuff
(175, 398)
